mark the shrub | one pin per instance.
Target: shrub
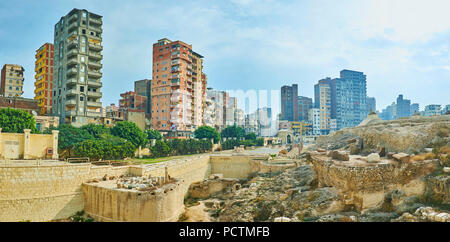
(161, 149)
(208, 133)
(15, 121)
(153, 134)
(110, 149)
(131, 132)
(259, 142)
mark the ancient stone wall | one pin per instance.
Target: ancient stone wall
(119, 205)
(47, 192)
(365, 186)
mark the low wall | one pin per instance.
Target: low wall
(44, 193)
(120, 205)
(365, 186)
(235, 166)
(52, 192)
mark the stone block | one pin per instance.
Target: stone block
(339, 155)
(402, 157)
(373, 158)
(390, 155)
(447, 169)
(282, 219)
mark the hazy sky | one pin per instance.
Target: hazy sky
(401, 45)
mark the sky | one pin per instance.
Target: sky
(403, 46)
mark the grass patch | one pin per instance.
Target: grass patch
(146, 161)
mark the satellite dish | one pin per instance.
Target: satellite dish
(34, 113)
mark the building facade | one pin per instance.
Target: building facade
(177, 103)
(371, 104)
(12, 80)
(43, 85)
(304, 105)
(77, 68)
(289, 103)
(131, 100)
(314, 117)
(432, 110)
(350, 105)
(322, 91)
(143, 88)
(403, 107)
(414, 108)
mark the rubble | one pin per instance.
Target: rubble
(373, 158)
(402, 157)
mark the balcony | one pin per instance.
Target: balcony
(73, 18)
(95, 65)
(72, 72)
(96, 47)
(95, 21)
(71, 113)
(71, 81)
(72, 53)
(71, 92)
(95, 74)
(72, 27)
(94, 104)
(72, 62)
(95, 56)
(98, 30)
(71, 102)
(72, 44)
(93, 83)
(94, 114)
(94, 94)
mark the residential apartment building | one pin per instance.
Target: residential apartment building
(371, 104)
(131, 100)
(177, 103)
(350, 94)
(43, 91)
(214, 110)
(403, 107)
(12, 80)
(289, 103)
(143, 88)
(322, 93)
(414, 108)
(432, 110)
(314, 117)
(304, 105)
(77, 68)
(446, 109)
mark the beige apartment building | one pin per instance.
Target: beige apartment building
(12, 80)
(178, 89)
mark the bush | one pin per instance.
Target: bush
(15, 121)
(131, 132)
(208, 133)
(250, 136)
(259, 142)
(153, 134)
(230, 144)
(190, 146)
(96, 130)
(109, 149)
(69, 136)
(161, 149)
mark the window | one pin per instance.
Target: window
(81, 89)
(83, 31)
(81, 99)
(83, 14)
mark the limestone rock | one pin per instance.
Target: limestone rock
(447, 169)
(282, 219)
(390, 155)
(373, 158)
(402, 157)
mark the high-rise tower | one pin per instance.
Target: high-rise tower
(77, 68)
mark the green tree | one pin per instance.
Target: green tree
(96, 130)
(130, 132)
(69, 136)
(161, 149)
(153, 134)
(208, 133)
(250, 136)
(15, 121)
(233, 132)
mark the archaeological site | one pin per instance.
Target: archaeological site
(379, 171)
